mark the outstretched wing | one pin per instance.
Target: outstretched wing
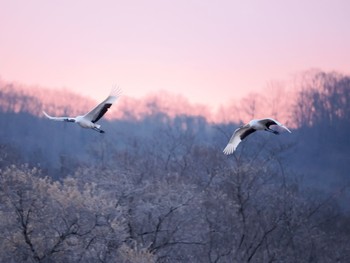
(67, 119)
(269, 121)
(237, 137)
(95, 114)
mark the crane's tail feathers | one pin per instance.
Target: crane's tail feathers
(229, 149)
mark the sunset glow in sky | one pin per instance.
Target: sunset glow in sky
(211, 52)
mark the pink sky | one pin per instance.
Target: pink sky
(211, 52)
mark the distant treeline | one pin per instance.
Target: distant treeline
(320, 112)
(159, 188)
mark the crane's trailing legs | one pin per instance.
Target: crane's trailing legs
(98, 130)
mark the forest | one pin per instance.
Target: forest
(157, 188)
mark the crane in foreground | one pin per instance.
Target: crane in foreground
(253, 126)
(89, 119)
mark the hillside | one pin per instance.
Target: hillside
(277, 103)
(157, 186)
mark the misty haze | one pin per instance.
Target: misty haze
(156, 187)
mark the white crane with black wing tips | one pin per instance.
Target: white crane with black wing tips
(253, 126)
(89, 119)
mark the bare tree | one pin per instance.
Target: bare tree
(47, 221)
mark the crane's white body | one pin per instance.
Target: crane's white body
(254, 125)
(86, 123)
(89, 119)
